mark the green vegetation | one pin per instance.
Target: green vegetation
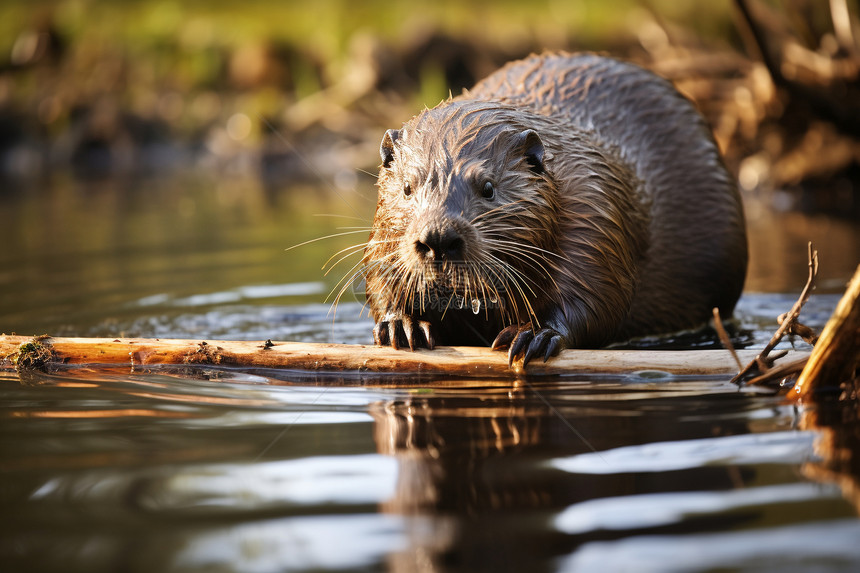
(326, 26)
(288, 88)
(79, 77)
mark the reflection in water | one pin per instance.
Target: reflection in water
(510, 483)
(200, 469)
(268, 471)
(837, 448)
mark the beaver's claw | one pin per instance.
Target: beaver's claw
(403, 331)
(522, 340)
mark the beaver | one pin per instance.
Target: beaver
(566, 201)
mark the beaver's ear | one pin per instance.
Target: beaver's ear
(386, 149)
(529, 144)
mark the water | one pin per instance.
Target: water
(205, 469)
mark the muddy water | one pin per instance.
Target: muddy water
(181, 469)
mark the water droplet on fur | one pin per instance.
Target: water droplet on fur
(476, 306)
(461, 301)
(493, 299)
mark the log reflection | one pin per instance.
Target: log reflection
(837, 447)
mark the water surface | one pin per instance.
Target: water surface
(214, 469)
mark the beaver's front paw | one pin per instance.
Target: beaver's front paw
(400, 330)
(523, 340)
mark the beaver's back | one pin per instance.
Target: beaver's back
(697, 253)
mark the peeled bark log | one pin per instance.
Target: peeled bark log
(444, 361)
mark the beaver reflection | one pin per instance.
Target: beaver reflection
(475, 478)
(447, 458)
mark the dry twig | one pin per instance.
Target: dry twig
(763, 362)
(724, 337)
(797, 329)
(780, 372)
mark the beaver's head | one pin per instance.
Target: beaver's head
(467, 213)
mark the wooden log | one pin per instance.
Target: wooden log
(444, 361)
(836, 355)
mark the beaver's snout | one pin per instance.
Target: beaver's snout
(437, 244)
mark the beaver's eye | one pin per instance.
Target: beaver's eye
(489, 190)
(407, 190)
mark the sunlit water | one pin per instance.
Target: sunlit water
(204, 469)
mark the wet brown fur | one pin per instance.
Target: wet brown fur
(634, 227)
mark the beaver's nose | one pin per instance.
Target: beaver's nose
(439, 244)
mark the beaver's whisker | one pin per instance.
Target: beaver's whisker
(366, 269)
(352, 250)
(497, 241)
(483, 286)
(525, 300)
(333, 308)
(508, 279)
(527, 280)
(338, 216)
(343, 284)
(531, 262)
(519, 281)
(378, 262)
(376, 242)
(536, 262)
(514, 246)
(474, 275)
(347, 279)
(332, 236)
(401, 276)
(404, 293)
(410, 288)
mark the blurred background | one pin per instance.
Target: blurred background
(151, 150)
(112, 87)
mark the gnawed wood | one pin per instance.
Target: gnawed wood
(443, 361)
(836, 356)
